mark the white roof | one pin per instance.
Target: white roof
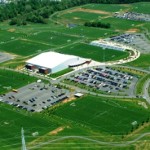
(49, 59)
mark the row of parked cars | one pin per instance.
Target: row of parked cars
(104, 79)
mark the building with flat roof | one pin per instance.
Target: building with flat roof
(52, 62)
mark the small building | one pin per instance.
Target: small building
(78, 95)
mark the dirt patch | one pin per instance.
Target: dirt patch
(11, 30)
(46, 136)
(88, 10)
(68, 100)
(56, 131)
(76, 18)
(95, 11)
(133, 30)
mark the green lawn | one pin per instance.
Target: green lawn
(141, 7)
(83, 16)
(13, 80)
(6, 36)
(53, 38)
(11, 121)
(106, 7)
(102, 114)
(87, 32)
(24, 47)
(143, 61)
(60, 73)
(121, 24)
(93, 52)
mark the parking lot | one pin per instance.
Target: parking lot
(139, 41)
(133, 16)
(5, 57)
(107, 80)
(35, 96)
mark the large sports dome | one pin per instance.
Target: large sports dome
(53, 62)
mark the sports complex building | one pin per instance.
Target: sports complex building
(52, 62)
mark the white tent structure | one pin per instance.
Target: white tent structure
(108, 45)
(54, 62)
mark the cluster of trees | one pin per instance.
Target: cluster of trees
(38, 11)
(97, 24)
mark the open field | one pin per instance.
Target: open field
(53, 38)
(113, 117)
(60, 73)
(82, 16)
(107, 7)
(142, 7)
(13, 80)
(87, 32)
(24, 47)
(11, 121)
(93, 52)
(142, 62)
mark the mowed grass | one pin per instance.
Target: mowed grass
(122, 24)
(102, 114)
(141, 7)
(93, 52)
(143, 61)
(107, 7)
(6, 36)
(88, 32)
(24, 47)
(13, 80)
(83, 16)
(53, 38)
(11, 122)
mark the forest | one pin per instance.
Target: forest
(20, 12)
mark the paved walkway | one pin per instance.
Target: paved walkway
(146, 93)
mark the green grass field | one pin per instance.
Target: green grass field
(24, 47)
(13, 80)
(87, 32)
(93, 52)
(13, 119)
(60, 73)
(106, 7)
(82, 16)
(142, 7)
(143, 62)
(53, 38)
(102, 114)
(6, 36)
(122, 24)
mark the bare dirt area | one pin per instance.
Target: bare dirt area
(89, 11)
(68, 100)
(11, 30)
(46, 136)
(56, 131)
(133, 30)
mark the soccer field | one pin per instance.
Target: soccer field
(93, 52)
(11, 122)
(104, 115)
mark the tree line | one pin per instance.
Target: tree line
(38, 11)
(97, 24)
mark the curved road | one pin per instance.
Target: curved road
(115, 144)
